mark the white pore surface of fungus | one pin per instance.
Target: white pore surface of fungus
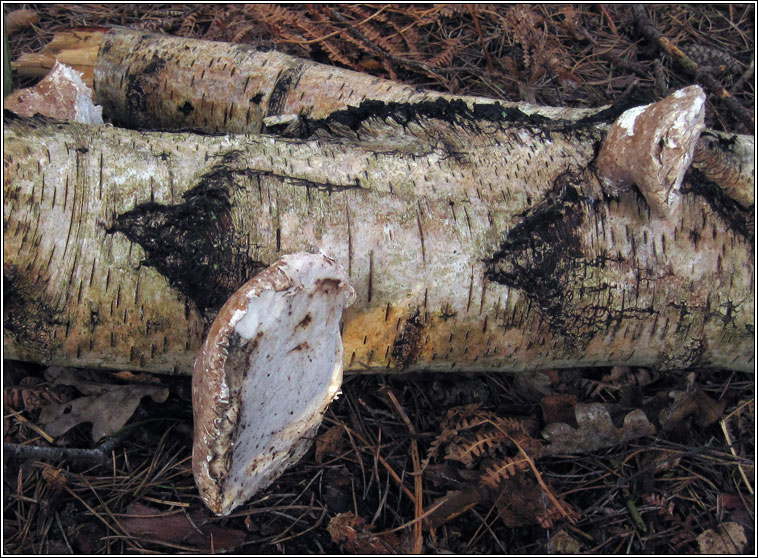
(271, 364)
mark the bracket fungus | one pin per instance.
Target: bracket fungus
(269, 367)
(652, 146)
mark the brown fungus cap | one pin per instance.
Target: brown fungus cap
(270, 366)
(652, 146)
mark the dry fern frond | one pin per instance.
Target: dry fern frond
(19, 398)
(469, 433)
(451, 10)
(274, 16)
(462, 410)
(334, 54)
(375, 30)
(502, 469)
(466, 448)
(445, 436)
(188, 25)
(450, 428)
(450, 48)
(547, 519)
(555, 508)
(619, 376)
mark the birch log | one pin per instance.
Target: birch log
(478, 235)
(476, 238)
(144, 80)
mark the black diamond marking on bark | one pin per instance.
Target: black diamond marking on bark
(193, 244)
(27, 315)
(539, 252)
(542, 256)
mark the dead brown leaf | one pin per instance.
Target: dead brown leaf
(595, 430)
(558, 408)
(563, 543)
(86, 382)
(729, 538)
(156, 525)
(521, 501)
(108, 407)
(695, 403)
(660, 460)
(453, 504)
(328, 443)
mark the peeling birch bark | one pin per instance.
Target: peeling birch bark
(476, 239)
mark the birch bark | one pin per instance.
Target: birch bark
(476, 238)
(157, 81)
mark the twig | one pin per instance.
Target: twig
(98, 455)
(747, 75)
(731, 446)
(350, 432)
(472, 10)
(690, 66)
(418, 541)
(36, 428)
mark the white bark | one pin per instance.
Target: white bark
(474, 241)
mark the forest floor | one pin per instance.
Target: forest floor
(436, 463)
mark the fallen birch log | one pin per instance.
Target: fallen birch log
(144, 80)
(153, 81)
(474, 239)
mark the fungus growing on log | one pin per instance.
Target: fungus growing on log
(652, 146)
(269, 367)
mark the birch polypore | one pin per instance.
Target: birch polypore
(652, 146)
(476, 237)
(268, 369)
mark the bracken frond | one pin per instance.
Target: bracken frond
(503, 469)
(451, 47)
(469, 432)
(552, 514)
(466, 448)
